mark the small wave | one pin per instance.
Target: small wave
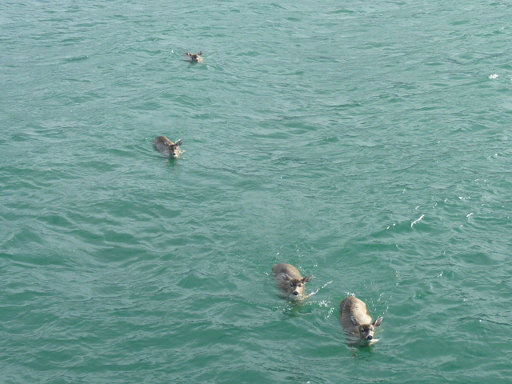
(417, 220)
(318, 289)
(75, 58)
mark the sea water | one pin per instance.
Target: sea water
(367, 143)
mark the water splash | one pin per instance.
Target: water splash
(417, 220)
(318, 289)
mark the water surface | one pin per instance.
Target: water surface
(367, 144)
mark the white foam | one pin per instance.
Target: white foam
(417, 220)
(493, 76)
(323, 303)
(318, 289)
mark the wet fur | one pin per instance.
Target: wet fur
(290, 282)
(357, 321)
(167, 147)
(195, 57)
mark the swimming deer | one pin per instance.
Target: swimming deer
(290, 281)
(167, 147)
(195, 57)
(357, 321)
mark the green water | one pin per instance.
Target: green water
(367, 143)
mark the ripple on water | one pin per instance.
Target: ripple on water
(384, 181)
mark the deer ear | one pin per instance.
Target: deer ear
(377, 322)
(285, 276)
(307, 279)
(354, 320)
(178, 142)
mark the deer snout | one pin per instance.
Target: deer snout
(174, 151)
(369, 337)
